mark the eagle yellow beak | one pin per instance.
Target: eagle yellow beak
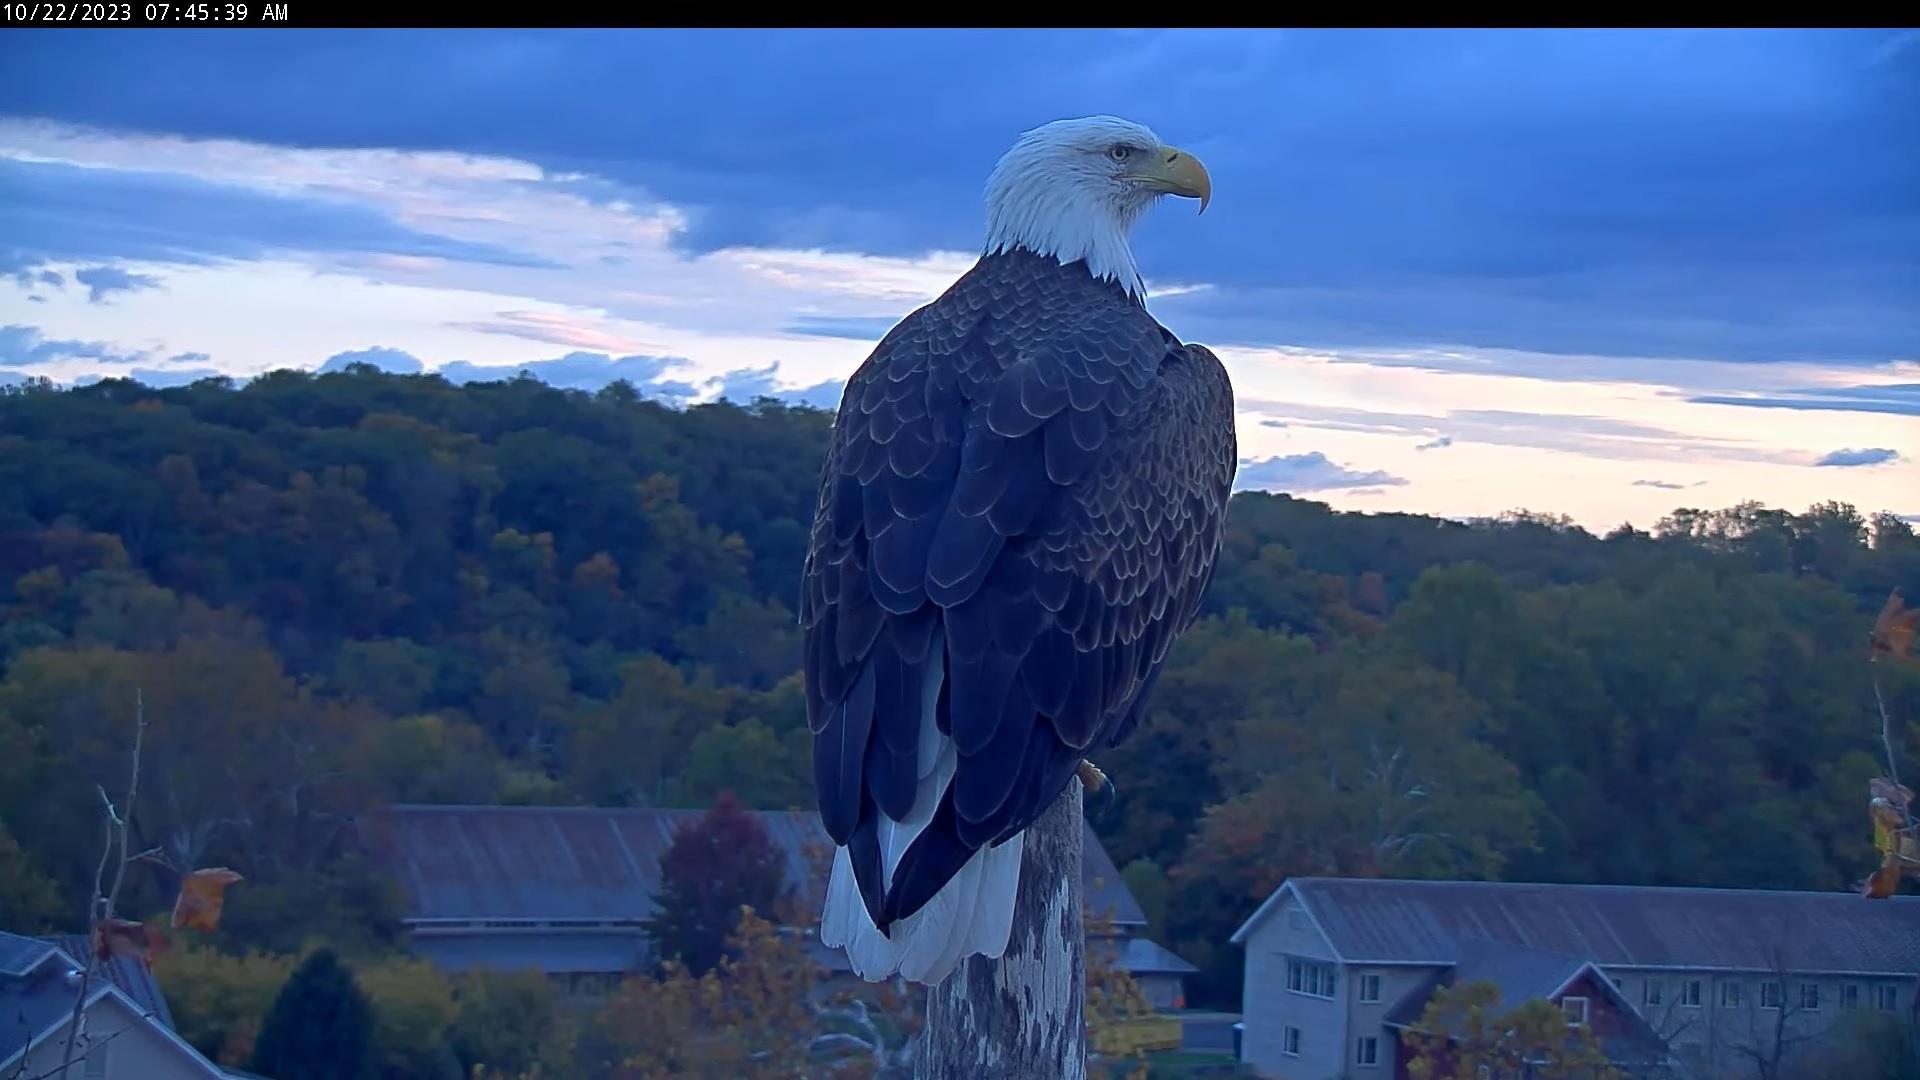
(1176, 172)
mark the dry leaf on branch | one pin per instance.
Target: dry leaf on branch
(201, 896)
(124, 937)
(1894, 630)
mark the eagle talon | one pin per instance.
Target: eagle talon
(1100, 789)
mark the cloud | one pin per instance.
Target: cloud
(103, 281)
(24, 273)
(154, 377)
(25, 346)
(393, 360)
(854, 327)
(1580, 190)
(1597, 436)
(56, 210)
(1440, 443)
(1666, 485)
(189, 358)
(1895, 399)
(576, 370)
(1847, 459)
(1307, 472)
(551, 328)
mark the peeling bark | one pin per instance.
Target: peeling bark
(1022, 1017)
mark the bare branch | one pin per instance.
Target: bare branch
(100, 909)
(1886, 738)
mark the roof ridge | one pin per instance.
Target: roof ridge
(1456, 883)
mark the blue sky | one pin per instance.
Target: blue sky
(1458, 272)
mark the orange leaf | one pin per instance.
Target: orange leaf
(124, 937)
(1894, 630)
(201, 896)
(1898, 795)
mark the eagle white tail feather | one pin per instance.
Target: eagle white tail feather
(972, 913)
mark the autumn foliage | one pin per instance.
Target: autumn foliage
(1466, 1032)
(718, 865)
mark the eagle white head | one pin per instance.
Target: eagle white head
(1073, 189)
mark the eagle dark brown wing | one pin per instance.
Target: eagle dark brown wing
(1020, 509)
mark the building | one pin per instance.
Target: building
(1724, 980)
(567, 890)
(125, 1032)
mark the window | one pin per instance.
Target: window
(1575, 1009)
(1729, 995)
(1290, 1042)
(1690, 993)
(1771, 994)
(1369, 988)
(1653, 993)
(1809, 995)
(1850, 995)
(1311, 978)
(1366, 1051)
(1886, 997)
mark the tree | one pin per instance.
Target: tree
(718, 864)
(753, 1015)
(321, 1026)
(511, 1024)
(1463, 1030)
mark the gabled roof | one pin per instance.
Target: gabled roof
(130, 974)
(37, 996)
(588, 864)
(1372, 921)
(1521, 975)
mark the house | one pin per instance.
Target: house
(567, 890)
(1729, 982)
(125, 1032)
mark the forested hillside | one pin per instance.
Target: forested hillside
(340, 590)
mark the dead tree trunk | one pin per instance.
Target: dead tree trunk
(1022, 1017)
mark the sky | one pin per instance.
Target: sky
(1595, 273)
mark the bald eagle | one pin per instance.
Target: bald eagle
(1019, 510)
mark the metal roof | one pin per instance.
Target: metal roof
(591, 864)
(19, 955)
(1521, 975)
(1140, 956)
(132, 975)
(1622, 926)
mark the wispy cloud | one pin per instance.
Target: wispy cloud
(1848, 459)
(554, 329)
(1312, 471)
(854, 327)
(1896, 399)
(1440, 443)
(26, 346)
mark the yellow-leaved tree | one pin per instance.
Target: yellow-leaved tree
(1465, 1029)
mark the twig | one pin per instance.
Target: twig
(100, 910)
(1886, 741)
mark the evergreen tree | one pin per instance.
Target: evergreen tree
(719, 863)
(320, 1027)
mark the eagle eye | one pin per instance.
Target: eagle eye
(1120, 152)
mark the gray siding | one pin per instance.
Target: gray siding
(136, 1050)
(1731, 1038)
(1364, 1017)
(1270, 1008)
